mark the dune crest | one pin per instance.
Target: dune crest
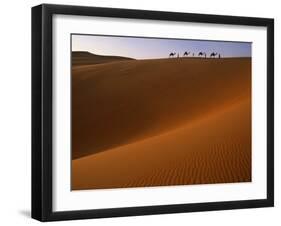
(86, 58)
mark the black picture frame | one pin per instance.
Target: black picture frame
(42, 106)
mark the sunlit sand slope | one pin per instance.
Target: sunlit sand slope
(123, 102)
(213, 149)
(161, 122)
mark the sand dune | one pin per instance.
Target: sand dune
(213, 149)
(86, 58)
(119, 103)
(161, 122)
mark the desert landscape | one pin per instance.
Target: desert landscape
(160, 122)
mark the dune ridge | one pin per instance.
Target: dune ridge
(87, 58)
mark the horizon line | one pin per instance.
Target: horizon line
(167, 57)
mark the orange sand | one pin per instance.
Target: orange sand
(161, 122)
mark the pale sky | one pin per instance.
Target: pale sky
(149, 48)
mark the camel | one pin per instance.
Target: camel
(172, 54)
(186, 53)
(213, 54)
(201, 54)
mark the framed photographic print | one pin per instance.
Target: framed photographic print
(146, 112)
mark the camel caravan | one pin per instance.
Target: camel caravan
(199, 55)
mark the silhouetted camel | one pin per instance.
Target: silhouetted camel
(172, 54)
(202, 54)
(213, 54)
(186, 53)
